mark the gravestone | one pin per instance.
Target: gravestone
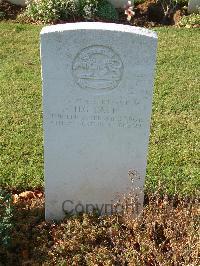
(119, 3)
(194, 6)
(18, 2)
(97, 98)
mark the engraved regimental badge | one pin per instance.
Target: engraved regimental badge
(97, 68)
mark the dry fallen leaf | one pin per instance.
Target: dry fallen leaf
(27, 194)
(15, 198)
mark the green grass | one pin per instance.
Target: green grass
(20, 108)
(173, 150)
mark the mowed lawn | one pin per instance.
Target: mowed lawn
(173, 151)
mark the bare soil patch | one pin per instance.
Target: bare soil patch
(166, 233)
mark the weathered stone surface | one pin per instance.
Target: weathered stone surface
(97, 96)
(194, 6)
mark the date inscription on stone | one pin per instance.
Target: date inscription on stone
(97, 68)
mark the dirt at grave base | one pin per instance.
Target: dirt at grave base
(165, 233)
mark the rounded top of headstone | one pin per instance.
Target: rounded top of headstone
(99, 26)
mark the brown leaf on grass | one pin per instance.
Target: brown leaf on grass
(15, 198)
(27, 195)
(40, 195)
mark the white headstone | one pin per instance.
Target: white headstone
(18, 2)
(119, 3)
(97, 97)
(194, 6)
